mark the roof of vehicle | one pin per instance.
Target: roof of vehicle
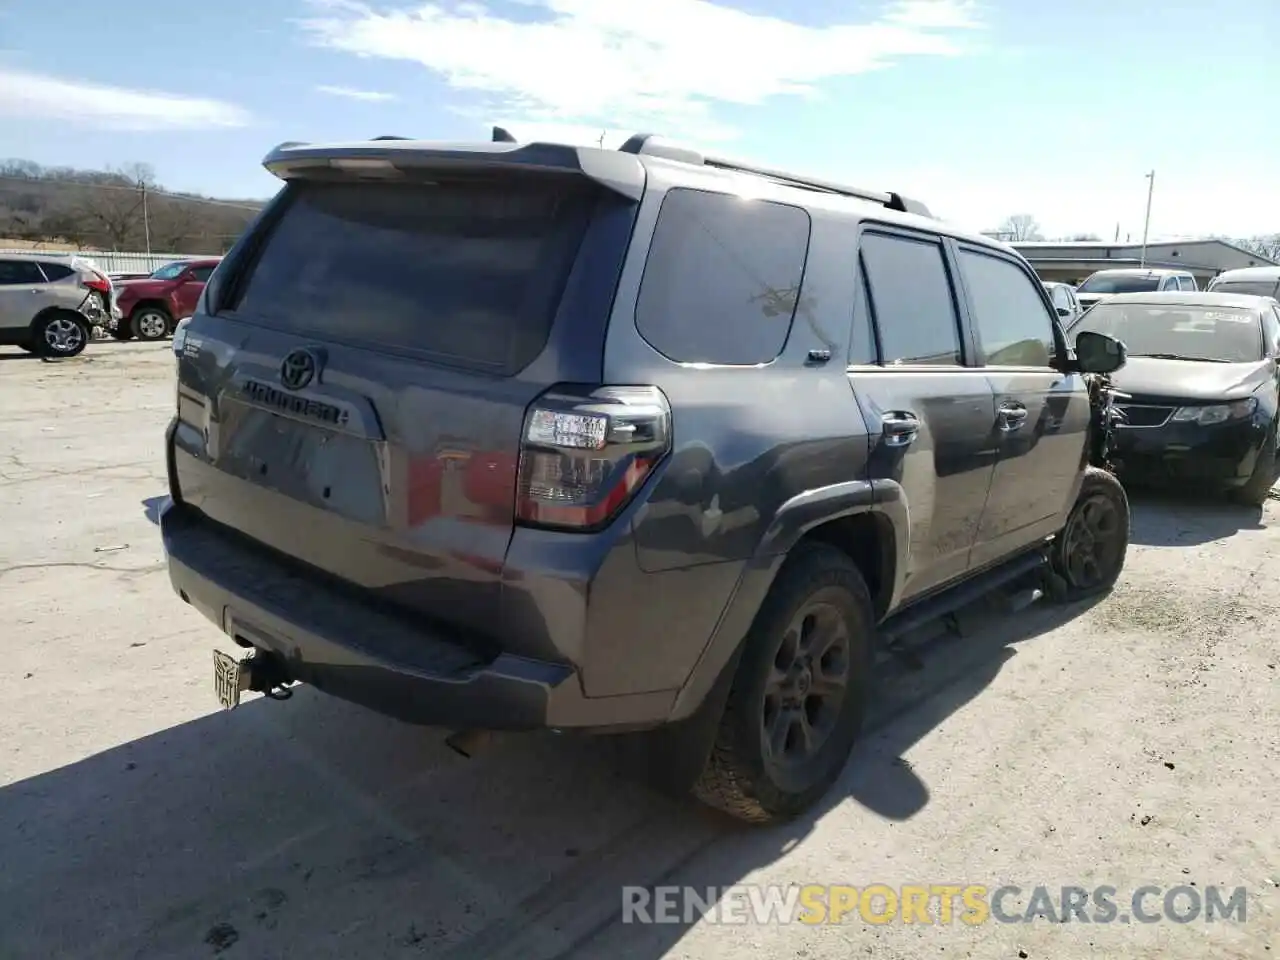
(625, 173)
(1187, 298)
(1248, 273)
(61, 257)
(1056, 283)
(1137, 272)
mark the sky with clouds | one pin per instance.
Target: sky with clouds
(982, 108)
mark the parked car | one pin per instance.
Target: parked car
(50, 303)
(1063, 298)
(1202, 378)
(1260, 281)
(152, 307)
(1104, 283)
(452, 448)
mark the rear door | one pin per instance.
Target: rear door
(354, 395)
(1042, 415)
(936, 446)
(23, 294)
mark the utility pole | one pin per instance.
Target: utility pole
(146, 219)
(600, 139)
(1146, 223)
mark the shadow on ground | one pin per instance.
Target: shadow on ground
(152, 507)
(312, 828)
(1163, 518)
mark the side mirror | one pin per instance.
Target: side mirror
(1098, 353)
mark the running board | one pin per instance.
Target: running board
(958, 597)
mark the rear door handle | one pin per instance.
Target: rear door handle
(899, 428)
(1012, 416)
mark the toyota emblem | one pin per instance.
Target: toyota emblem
(298, 369)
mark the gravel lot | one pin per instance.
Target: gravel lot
(1134, 742)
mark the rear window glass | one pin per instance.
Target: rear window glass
(1119, 284)
(1257, 288)
(723, 278)
(469, 274)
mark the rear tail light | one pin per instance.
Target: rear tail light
(99, 282)
(585, 452)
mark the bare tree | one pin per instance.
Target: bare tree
(115, 215)
(1020, 226)
(141, 175)
(1265, 245)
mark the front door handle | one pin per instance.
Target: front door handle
(1012, 416)
(900, 428)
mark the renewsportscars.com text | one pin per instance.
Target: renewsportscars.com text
(934, 904)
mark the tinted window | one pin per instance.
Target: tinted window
(723, 278)
(466, 273)
(1119, 284)
(202, 274)
(911, 300)
(19, 271)
(56, 271)
(1257, 288)
(1013, 325)
(862, 347)
(1178, 331)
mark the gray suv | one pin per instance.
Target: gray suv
(49, 303)
(515, 436)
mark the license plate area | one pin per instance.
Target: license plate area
(307, 462)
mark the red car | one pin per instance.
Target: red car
(150, 308)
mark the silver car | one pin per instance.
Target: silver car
(50, 303)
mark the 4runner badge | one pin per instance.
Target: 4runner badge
(298, 369)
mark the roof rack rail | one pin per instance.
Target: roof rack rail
(651, 145)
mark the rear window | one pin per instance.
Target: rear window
(723, 278)
(1182, 331)
(1114, 284)
(1257, 288)
(469, 274)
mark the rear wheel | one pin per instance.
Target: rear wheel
(62, 334)
(799, 694)
(151, 323)
(1258, 488)
(1089, 553)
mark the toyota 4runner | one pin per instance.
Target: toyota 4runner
(514, 436)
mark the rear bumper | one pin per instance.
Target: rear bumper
(1222, 456)
(359, 653)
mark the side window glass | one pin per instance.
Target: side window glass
(1013, 326)
(14, 272)
(1187, 283)
(862, 347)
(1271, 330)
(722, 279)
(1060, 298)
(911, 300)
(56, 271)
(201, 274)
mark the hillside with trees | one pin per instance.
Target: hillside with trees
(113, 210)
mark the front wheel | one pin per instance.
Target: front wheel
(61, 335)
(1258, 488)
(151, 323)
(1089, 553)
(799, 694)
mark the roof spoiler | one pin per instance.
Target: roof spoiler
(549, 155)
(648, 144)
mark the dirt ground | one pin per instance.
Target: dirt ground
(1132, 742)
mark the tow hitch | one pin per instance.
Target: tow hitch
(258, 673)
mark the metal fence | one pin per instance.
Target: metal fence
(115, 262)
